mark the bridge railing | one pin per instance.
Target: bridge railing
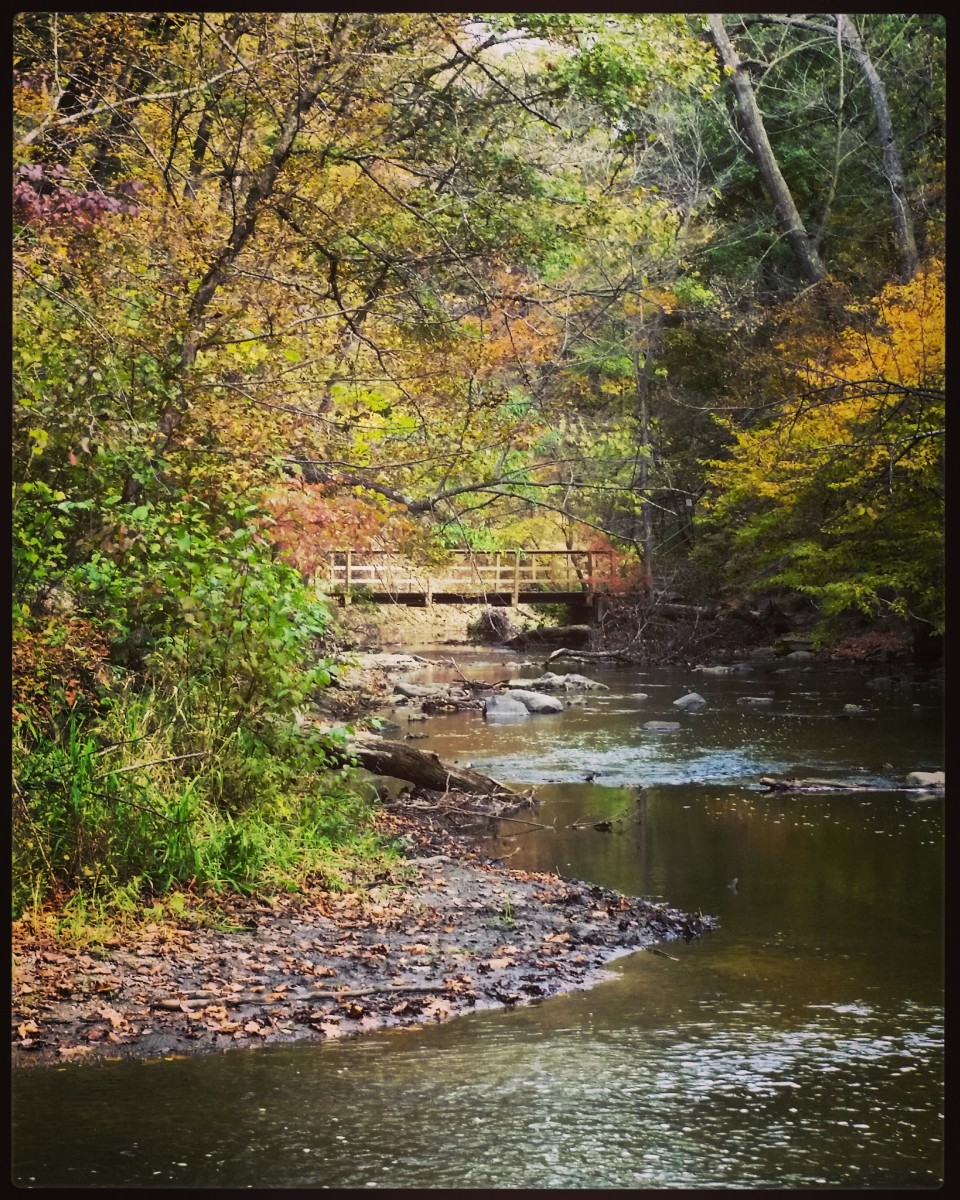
(469, 573)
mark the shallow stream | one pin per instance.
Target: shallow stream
(799, 1045)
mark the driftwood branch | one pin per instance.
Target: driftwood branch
(814, 785)
(423, 768)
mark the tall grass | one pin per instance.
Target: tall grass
(158, 792)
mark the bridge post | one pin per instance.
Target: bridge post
(515, 598)
(346, 578)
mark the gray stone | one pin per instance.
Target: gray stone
(762, 652)
(640, 696)
(756, 701)
(550, 682)
(926, 779)
(854, 709)
(691, 702)
(662, 726)
(800, 655)
(720, 670)
(420, 691)
(505, 708)
(581, 681)
(536, 702)
(392, 662)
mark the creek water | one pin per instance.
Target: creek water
(800, 1045)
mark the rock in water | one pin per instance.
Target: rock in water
(505, 708)
(536, 702)
(926, 779)
(662, 726)
(691, 702)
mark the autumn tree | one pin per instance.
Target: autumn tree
(838, 489)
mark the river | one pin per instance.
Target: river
(800, 1045)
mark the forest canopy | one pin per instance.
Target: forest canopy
(290, 282)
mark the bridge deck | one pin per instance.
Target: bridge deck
(501, 578)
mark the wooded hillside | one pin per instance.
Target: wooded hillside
(668, 283)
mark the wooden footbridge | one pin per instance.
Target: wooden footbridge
(501, 579)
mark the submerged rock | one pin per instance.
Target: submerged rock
(691, 702)
(662, 726)
(854, 709)
(720, 670)
(756, 701)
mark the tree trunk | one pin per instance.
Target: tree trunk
(756, 133)
(233, 27)
(420, 767)
(892, 168)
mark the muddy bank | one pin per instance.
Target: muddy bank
(460, 933)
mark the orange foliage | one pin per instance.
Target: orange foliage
(56, 666)
(308, 521)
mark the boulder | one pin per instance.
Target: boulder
(505, 708)
(926, 779)
(662, 726)
(640, 696)
(800, 656)
(536, 702)
(691, 702)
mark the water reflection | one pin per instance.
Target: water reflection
(798, 1046)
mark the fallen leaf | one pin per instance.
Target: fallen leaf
(73, 1051)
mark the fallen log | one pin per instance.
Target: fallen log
(814, 785)
(420, 767)
(588, 655)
